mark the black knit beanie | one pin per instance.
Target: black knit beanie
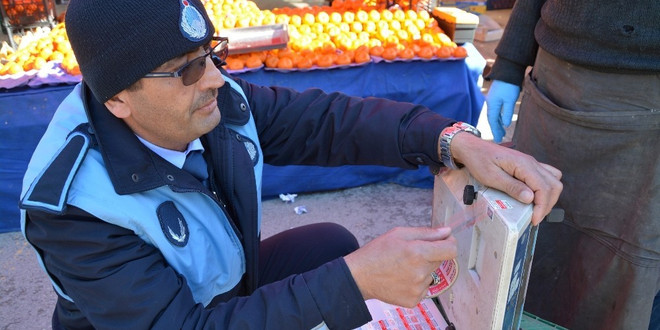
(117, 42)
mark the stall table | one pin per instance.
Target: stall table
(448, 87)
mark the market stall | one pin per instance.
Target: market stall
(447, 85)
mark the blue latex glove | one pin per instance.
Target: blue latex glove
(500, 101)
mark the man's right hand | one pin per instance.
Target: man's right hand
(500, 102)
(396, 267)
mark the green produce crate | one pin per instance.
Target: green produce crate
(531, 322)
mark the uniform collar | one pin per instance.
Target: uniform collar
(131, 165)
(177, 158)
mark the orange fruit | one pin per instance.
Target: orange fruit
(362, 57)
(343, 59)
(285, 63)
(414, 46)
(425, 52)
(362, 48)
(285, 52)
(338, 4)
(306, 52)
(460, 52)
(389, 53)
(376, 50)
(262, 55)
(444, 52)
(314, 57)
(305, 63)
(351, 54)
(271, 61)
(234, 64)
(406, 53)
(254, 61)
(325, 60)
(242, 57)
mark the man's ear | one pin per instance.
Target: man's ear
(118, 105)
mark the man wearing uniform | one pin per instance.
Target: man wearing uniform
(134, 237)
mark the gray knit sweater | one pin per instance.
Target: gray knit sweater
(606, 35)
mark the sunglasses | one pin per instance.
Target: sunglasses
(192, 71)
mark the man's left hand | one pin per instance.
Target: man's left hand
(510, 171)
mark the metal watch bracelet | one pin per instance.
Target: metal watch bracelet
(447, 136)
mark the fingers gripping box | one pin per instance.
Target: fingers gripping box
(495, 241)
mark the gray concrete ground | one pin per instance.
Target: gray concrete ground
(26, 297)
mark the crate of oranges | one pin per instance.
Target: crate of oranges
(26, 13)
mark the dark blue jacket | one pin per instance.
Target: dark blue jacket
(116, 279)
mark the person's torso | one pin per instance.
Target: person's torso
(191, 227)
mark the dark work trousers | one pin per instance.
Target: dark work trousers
(303, 248)
(600, 267)
(296, 251)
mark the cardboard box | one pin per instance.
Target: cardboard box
(488, 29)
(458, 24)
(495, 242)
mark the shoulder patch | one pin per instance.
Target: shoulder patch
(50, 188)
(173, 224)
(250, 147)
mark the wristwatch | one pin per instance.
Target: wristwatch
(447, 136)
